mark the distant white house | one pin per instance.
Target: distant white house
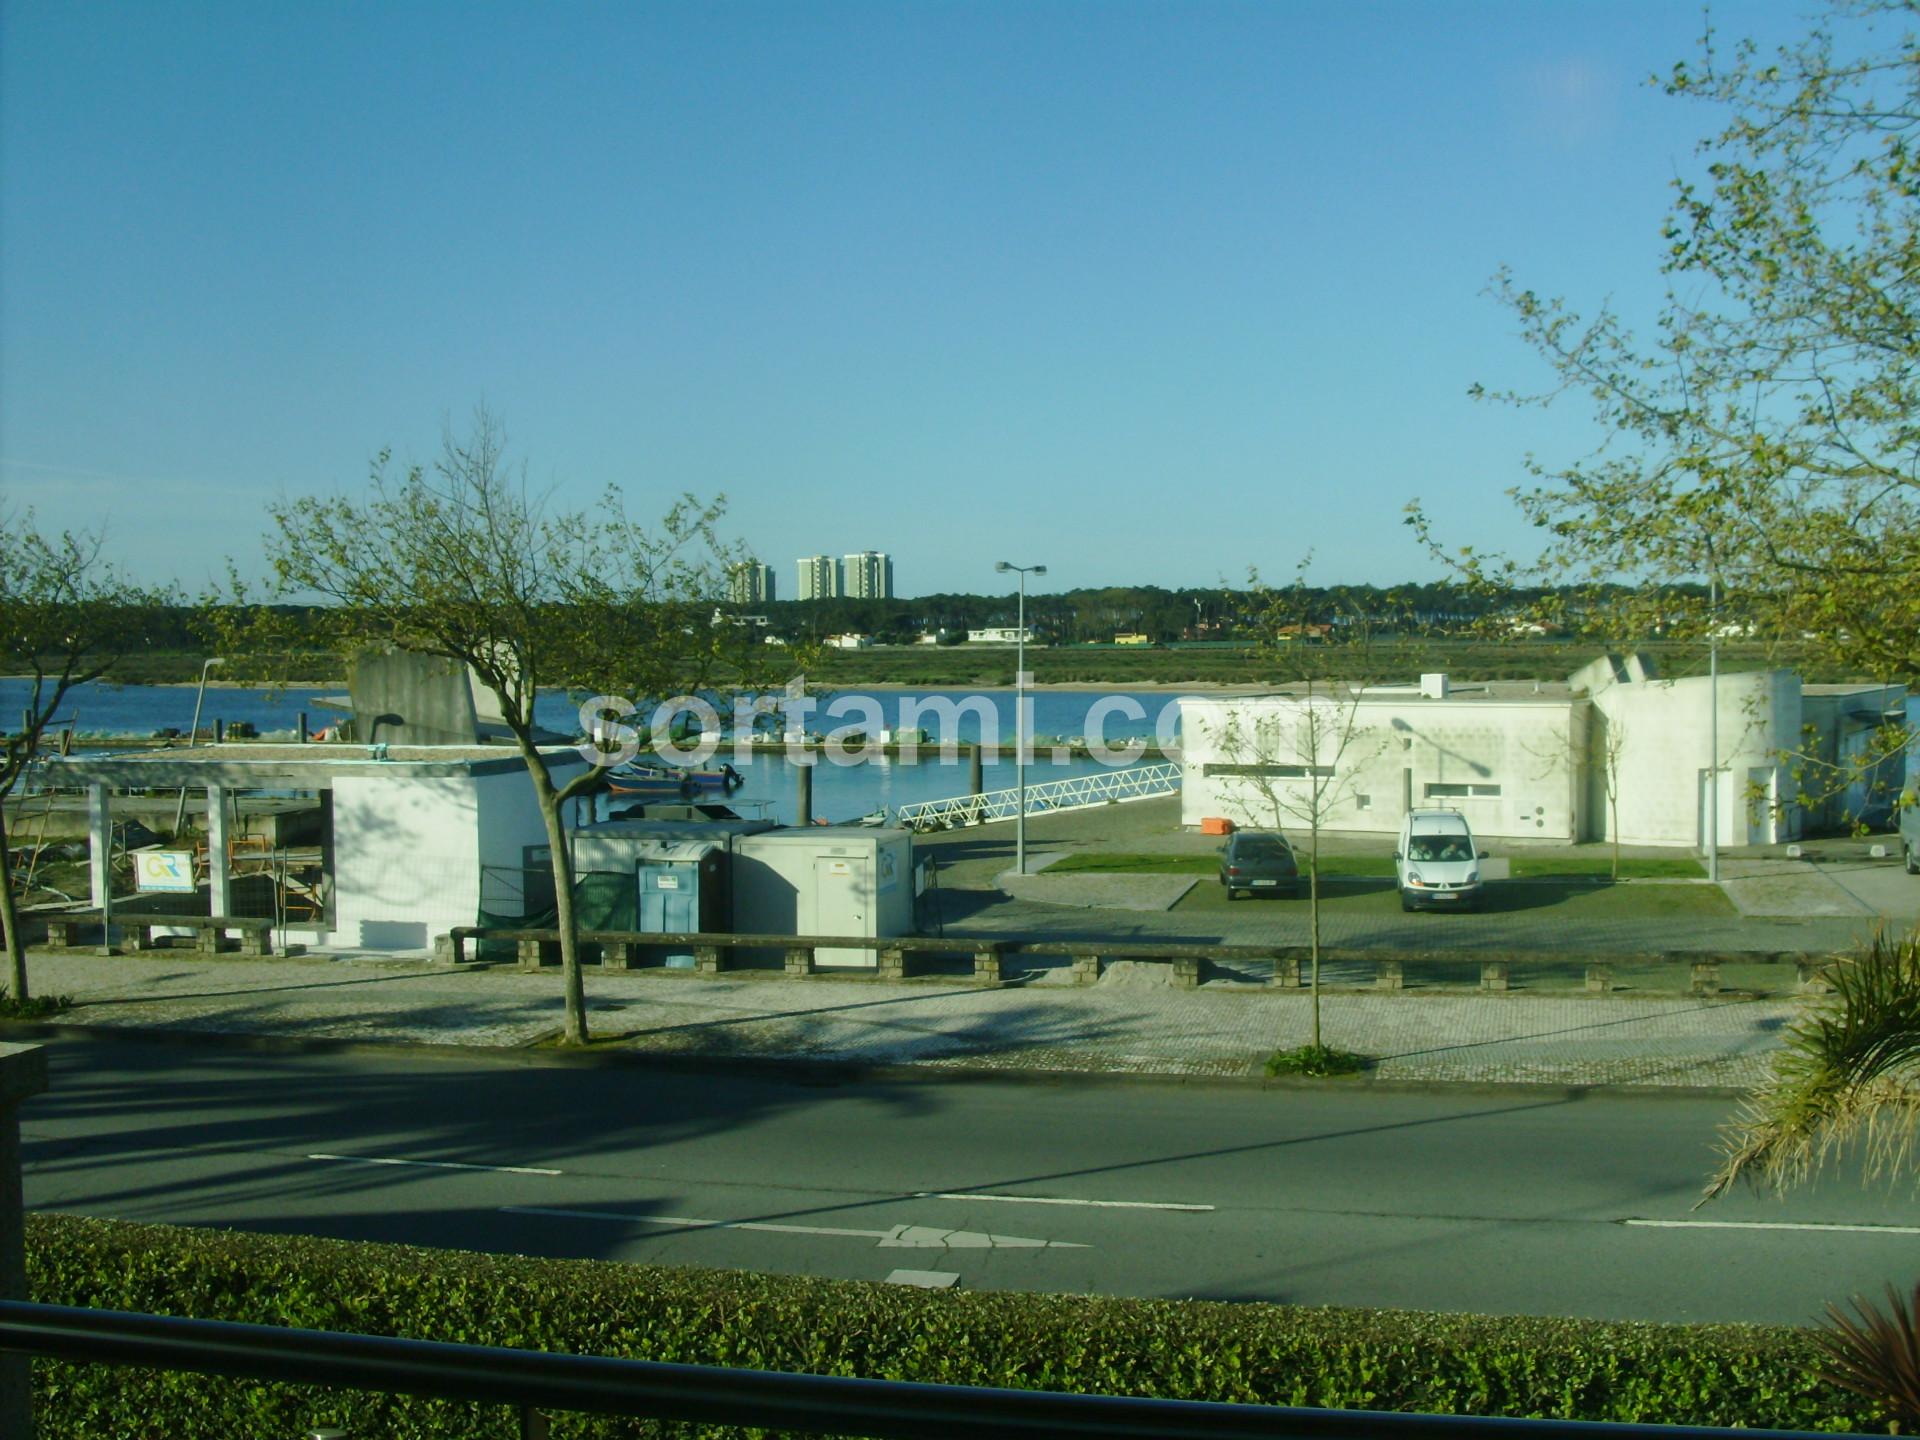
(1538, 759)
(1001, 635)
(849, 641)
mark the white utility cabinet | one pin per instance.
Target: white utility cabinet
(825, 880)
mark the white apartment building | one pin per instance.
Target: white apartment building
(867, 576)
(750, 583)
(819, 577)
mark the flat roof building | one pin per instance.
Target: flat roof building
(819, 577)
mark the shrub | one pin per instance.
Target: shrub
(1442, 1364)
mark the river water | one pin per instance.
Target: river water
(840, 792)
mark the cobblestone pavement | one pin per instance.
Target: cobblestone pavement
(1131, 1022)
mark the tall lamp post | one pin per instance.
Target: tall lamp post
(1020, 715)
(1713, 716)
(193, 735)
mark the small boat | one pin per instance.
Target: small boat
(658, 782)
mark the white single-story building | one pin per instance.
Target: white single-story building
(1611, 749)
(407, 839)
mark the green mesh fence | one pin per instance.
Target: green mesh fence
(523, 900)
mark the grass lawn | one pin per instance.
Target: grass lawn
(1128, 863)
(1548, 867)
(1659, 867)
(1582, 899)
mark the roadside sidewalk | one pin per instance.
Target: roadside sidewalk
(1130, 1023)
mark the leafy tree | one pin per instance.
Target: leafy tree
(66, 617)
(459, 560)
(1768, 431)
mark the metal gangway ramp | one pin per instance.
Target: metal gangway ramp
(1136, 782)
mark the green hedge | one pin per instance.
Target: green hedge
(1390, 1360)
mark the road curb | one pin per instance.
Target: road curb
(817, 1072)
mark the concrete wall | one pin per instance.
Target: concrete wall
(1664, 733)
(406, 859)
(1511, 766)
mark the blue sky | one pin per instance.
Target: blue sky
(1146, 292)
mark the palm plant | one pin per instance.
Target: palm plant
(1848, 1073)
(1877, 1355)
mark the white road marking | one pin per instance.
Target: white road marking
(925, 1279)
(441, 1165)
(1776, 1225)
(902, 1237)
(1057, 1200)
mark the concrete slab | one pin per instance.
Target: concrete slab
(1093, 891)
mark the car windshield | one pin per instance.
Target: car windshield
(1264, 849)
(1439, 849)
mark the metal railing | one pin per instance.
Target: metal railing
(1136, 782)
(534, 1382)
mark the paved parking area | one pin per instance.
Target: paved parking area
(1822, 904)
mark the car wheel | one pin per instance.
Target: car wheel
(1232, 894)
(1406, 905)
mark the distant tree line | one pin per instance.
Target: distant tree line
(1071, 617)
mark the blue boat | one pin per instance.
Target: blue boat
(651, 780)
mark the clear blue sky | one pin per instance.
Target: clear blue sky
(1148, 292)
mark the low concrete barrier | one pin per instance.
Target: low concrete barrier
(898, 957)
(210, 931)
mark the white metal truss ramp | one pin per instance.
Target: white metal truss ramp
(1104, 787)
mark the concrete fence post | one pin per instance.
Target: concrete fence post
(893, 963)
(1599, 978)
(1187, 971)
(708, 960)
(1086, 968)
(1494, 975)
(1286, 971)
(800, 960)
(1706, 977)
(986, 965)
(1388, 975)
(23, 1074)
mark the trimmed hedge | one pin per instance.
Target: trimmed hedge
(1388, 1360)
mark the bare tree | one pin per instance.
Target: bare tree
(66, 617)
(458, 559)
(1298, 758)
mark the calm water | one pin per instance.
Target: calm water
(839, 792)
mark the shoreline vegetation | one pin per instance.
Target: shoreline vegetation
(1072, 667)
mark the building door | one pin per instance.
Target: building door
(842, 905)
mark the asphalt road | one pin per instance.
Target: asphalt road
(1501, 1202)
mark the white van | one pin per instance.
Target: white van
(1437, 862)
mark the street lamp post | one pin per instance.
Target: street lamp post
(180, 812)
(1020, 715)
(1713, 712)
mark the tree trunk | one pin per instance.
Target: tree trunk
(1313, 920)
(550, 801)
(10, 919)
(571, 983)
(1613, 808)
